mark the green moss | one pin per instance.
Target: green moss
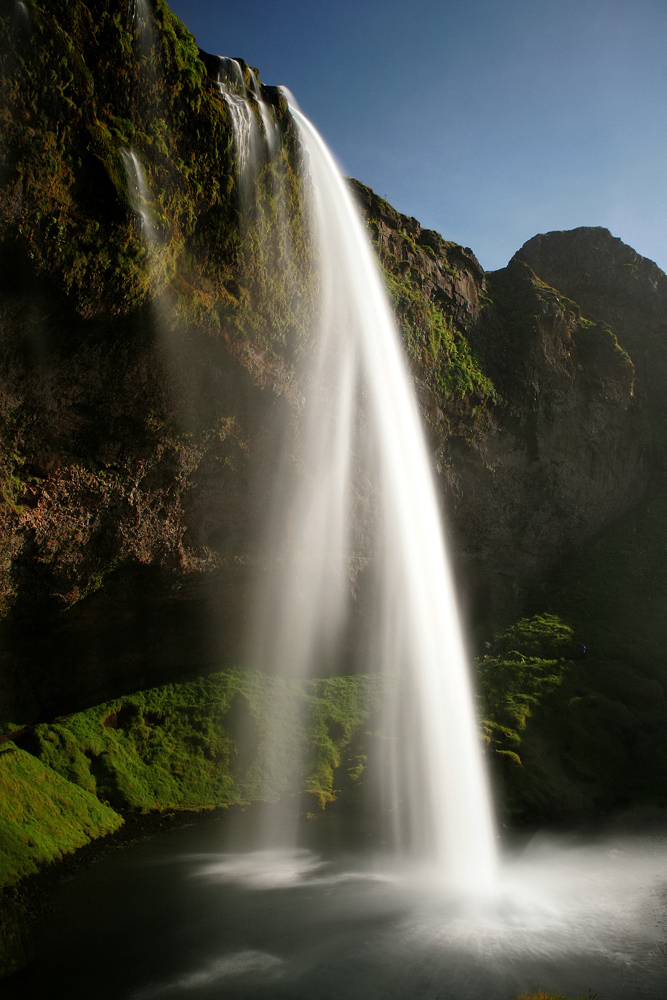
(79, 89)
(528, 662)
(209, 741)
(88, 295)
(43, 815)
(339, 708)
(442, 351)
(231, 737)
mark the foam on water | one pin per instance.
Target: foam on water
(552, 900)
(243, 964)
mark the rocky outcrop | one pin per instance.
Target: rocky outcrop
(445, 273)
(548, 442)
(614, 284)
(139, 390)
(567, 453)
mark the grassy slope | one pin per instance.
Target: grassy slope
(44, 816)
(198, 744)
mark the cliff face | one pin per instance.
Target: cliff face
(143, 392)
(538, 437)
(140, 385)
(567, 452)
(613, 284)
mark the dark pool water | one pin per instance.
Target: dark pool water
(181, 916)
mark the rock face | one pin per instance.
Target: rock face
(446, 274)
(547, 442)
(142, 400)
(139, 391)
(567, 454)
(613, 284)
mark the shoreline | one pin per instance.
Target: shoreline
(24, 904)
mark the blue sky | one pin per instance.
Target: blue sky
(488, 120)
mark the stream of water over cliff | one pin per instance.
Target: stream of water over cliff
(358, 522)
(359, 423)
(420, 908)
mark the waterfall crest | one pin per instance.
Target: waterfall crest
(255, 132)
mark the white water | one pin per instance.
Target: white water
(255, 132)
(22, 23)
(185, 921)
(139, 18)
(140, 197)
(360, 424)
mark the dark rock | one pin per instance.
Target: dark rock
(560, 445)
(614, 284)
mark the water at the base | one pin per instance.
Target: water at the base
(175, 918)
(365, 495)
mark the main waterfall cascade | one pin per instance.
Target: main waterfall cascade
(359, 418)
(356, 580)
(360, 423)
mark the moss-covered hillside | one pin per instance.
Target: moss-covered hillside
(575, 693)
(140, 380)
(205, 743)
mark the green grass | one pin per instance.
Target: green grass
(231, 737)
(43, 816)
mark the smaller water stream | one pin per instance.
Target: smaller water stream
(175, 918)
(140, 197)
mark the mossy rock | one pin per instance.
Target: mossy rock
(43, 815)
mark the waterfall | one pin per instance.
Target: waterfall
(360, 425)
(255, 132)
(140, 198)
(21, 19)
(361, 513)
(140, 20)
